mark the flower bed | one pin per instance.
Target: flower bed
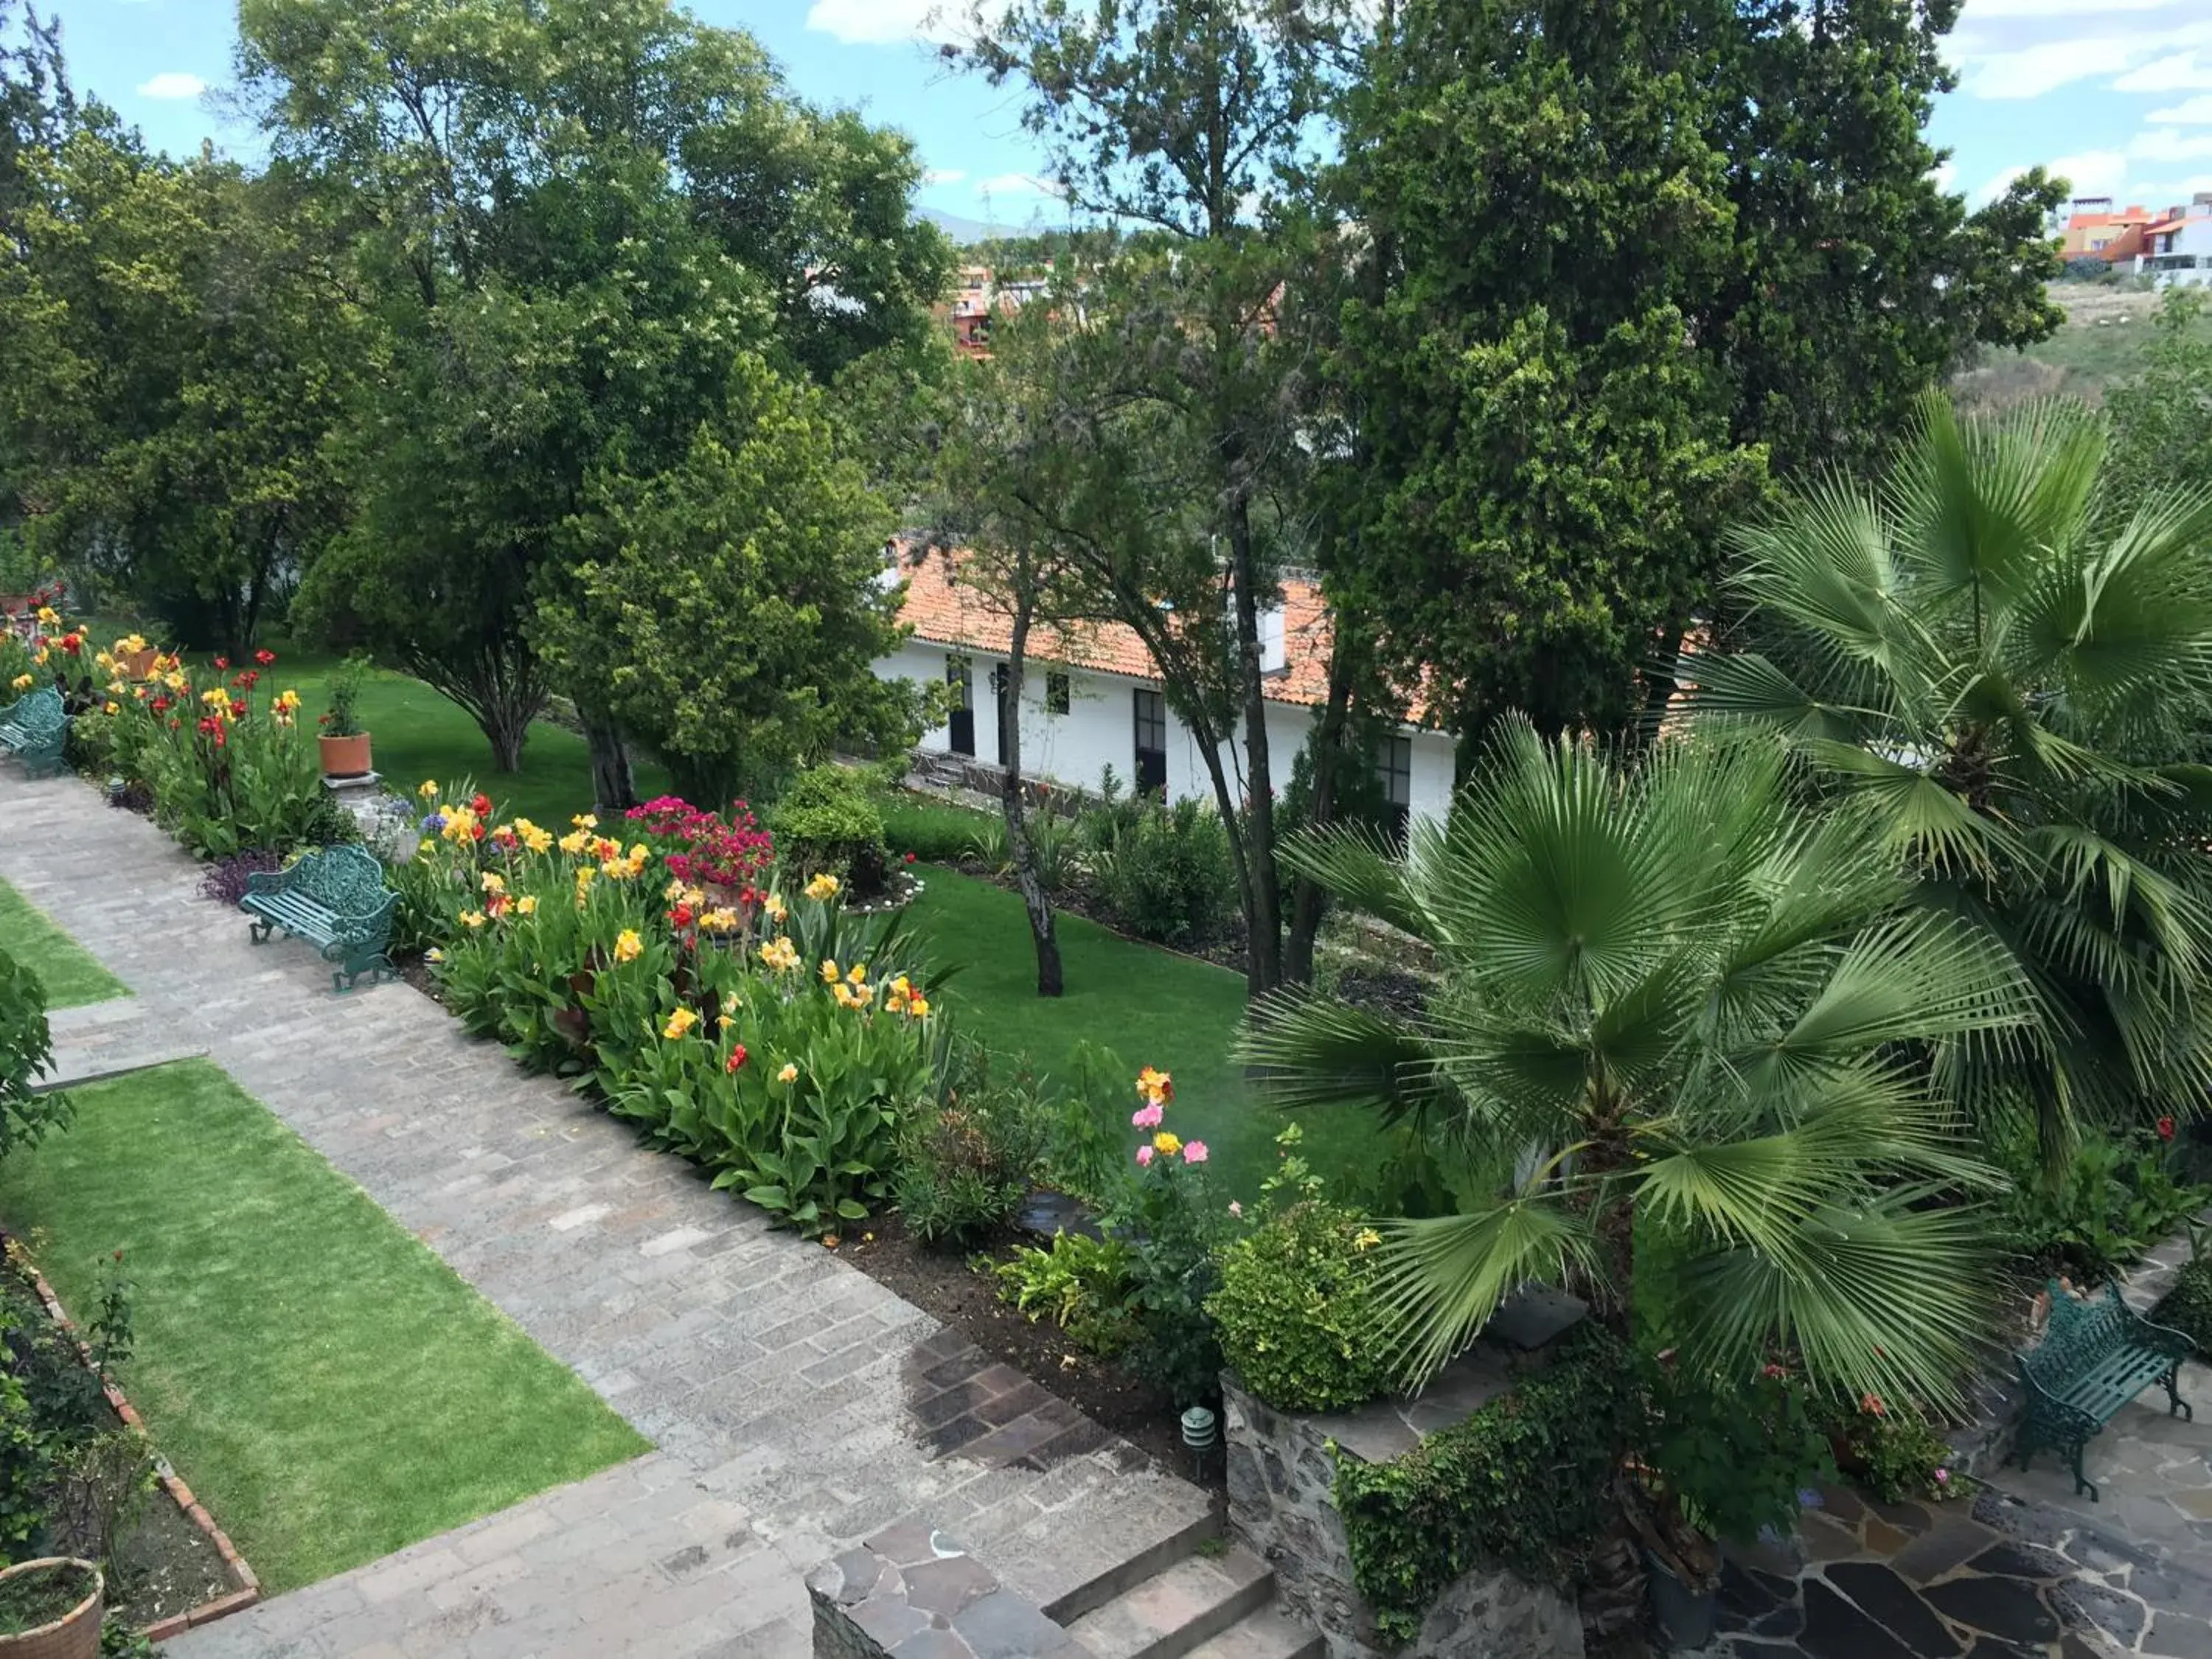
(169, 1566)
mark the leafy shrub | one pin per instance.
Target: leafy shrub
(964, 1167)
(1527, 1481)
(828, 822)
(2115, 1199)
(1086, 1286)
(1297, 1312)
(1891, 1450)
(1733, 1456)
(1167, 875)
(225, 880)
(25, 1053)
(2187, 1306)
(934, 831)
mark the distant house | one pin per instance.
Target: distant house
(1092, 697)
(2178, 248)
(2094, 225)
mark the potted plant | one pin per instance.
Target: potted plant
(345, 744)
(51, 1609)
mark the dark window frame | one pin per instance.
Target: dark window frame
(1149, 713)
(1059, 691)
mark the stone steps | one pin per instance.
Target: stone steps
(1218, 1604)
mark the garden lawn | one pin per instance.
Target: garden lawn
(1149, 1006)
(327, 1386)
(66, 968)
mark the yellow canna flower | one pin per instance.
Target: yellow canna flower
(679, 1023)
(539, 840)
(101, 660)
(723, 1022)
(673, 891)
(49, 616)
(287, 700)
(586, 821)
(775, 909)
(526, 905)
(918, 1007)
(472, 919)
(22, 681)
(829, 971)
(627, 944)
(860, 972)
(429, 790)
(573, 843)
(789, 1074)
(1366, 1239)
(1166, 1144)
(823, 887)
(113, 709)
(494, 882)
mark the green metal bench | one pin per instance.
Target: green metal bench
(335, 898)
(36, 730)
(2094, 1358)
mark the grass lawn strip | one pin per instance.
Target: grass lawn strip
(1149, 1006)
(66, 968)
(327, 1387)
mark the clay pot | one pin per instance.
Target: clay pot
(136, 665)
(76, 1634)
(345, 757)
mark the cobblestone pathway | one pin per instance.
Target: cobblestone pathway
(2025, 1568)
(784, 1391)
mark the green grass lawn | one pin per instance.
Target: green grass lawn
(1149, 1006)
(327, 1386)
(66, 968)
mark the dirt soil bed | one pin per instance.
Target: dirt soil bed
(941, 1284)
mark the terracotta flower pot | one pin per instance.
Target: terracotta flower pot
(345, 757)
(17, 605)
(75, 1635)
(136, 665)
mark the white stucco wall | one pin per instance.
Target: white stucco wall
(1099, 729)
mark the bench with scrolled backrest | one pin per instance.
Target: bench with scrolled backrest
(34, 729)
(2095, 1357)
(335, 898)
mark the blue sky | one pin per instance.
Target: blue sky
(2116, 94)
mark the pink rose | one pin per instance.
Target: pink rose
(1144, 1155)
(1149, 1117)
(1234, 1208)
(1194, 1151)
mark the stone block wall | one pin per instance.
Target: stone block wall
(911, 1593)
(1280, 1474)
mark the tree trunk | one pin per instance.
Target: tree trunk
(506, 741)
(1020, 848)
(1308, 903)
(1263, 922)
(613, 789)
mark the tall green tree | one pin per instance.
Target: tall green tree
(575, 222)
(1690, 998)
(2009, 675)
(1627, 261)
(1189, 123)
(178, 347)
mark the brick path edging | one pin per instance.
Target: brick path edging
(248, 1591)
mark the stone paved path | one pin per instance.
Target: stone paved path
(795, 1405)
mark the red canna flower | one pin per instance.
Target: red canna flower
(264, 658)
(735, 1060)
(2165, 1128)
(481, 807)
(223, 663)
(909, 858)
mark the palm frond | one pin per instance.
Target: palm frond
(1359, 869)
(1440, 1281)
(1312, 1051)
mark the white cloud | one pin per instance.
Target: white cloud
(2090, 173)
(1981, 11)
(1019, 183)
(2031, 71)
(1946, 176)
(943, 176)
(2170, 144)
(173, 83)
(872, 22)
(2190, 113)
(2181, 72)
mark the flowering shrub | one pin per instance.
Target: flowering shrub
(225, 880)
(779, 1043)
(224, 756)
(1299, 1317)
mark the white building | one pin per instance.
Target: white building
(2179, 249)
(1091, 697)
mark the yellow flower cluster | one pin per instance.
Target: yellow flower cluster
(472, 918)
(822, 888)
(789, 1074)
(1156, 1087)
(530, 835)
(680, 1024)
(461, 825)
(901, 998)
(779, 954)
(627, 944)
(284, 705)
(22, 681)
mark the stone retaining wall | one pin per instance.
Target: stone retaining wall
(1281, 1471)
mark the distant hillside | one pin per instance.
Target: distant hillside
(2103, 340)
(963, 231)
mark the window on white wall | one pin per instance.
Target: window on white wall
(960, 675)
(1395, 770)
(1058, 695)
(1152, 745)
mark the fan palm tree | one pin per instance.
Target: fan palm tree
(1702, 1006)
(2013, 680)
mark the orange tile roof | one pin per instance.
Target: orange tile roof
(946, 612)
